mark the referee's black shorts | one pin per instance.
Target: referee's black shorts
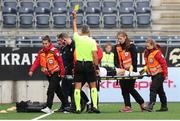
(84, 71)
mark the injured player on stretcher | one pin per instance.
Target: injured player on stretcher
(116, 72)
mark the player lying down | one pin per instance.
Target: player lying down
(116, 72)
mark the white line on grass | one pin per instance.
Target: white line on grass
(44, 115)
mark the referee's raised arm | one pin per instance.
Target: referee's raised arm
(74, 21)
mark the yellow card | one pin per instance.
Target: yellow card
(76, 7)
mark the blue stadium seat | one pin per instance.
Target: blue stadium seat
(109, 17)
(126, 3)
(2, 41)
(27, 4)
(9, 10)
(93, 3)
(109, 10)
(93, 13)
(143, 20)
(26, 20)
(44, 3)
(142, 10)
(126, 7)
(143, 3)
(93, 20)
(93, 10)
(143, 6)
(34, 38)
(10, 3)
(60, 3)
(42, 21)
(9, 20)
(160, 38)
(59, 10)
(80, 20)
(127, 20)
(26, 7)
(59, 21)
(23, 41)
(23, 10)
(109, 3)
(126, 10)
(110, 21)
(41, 10)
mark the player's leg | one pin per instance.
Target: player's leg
(78, 77)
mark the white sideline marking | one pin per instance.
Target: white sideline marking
(44, 115)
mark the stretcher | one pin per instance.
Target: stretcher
(120, 75)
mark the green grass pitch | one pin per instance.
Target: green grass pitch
(108, 111)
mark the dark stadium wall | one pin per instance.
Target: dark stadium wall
(15, 63)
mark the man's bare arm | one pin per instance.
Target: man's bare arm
(74, 21)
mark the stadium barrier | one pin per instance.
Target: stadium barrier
(15, 85)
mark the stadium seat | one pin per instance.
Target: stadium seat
(126, 10)
(26, 7)
(10, 3)
(34, 38)
(23, 41)
(93, 14)
(109, 10)
(127, 20)
(9, 20)
(59, 10)
(59, 21)
(60, 3)
(158, 38)
(126, 7)
(26, 20)
(93, 20)
(44, 3)
(80, 20)
(93, 10)
(109, 17)
(93, 3)
(42, 21)
(143, 6)
(41, 10)
(109, 3)
(143, 20)
(110, 21)
(2, 42)
(24, 10)
(27, 4)
(9, 10)
(142, 10)
(126, 3)
(143, 3)
(60, 14)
